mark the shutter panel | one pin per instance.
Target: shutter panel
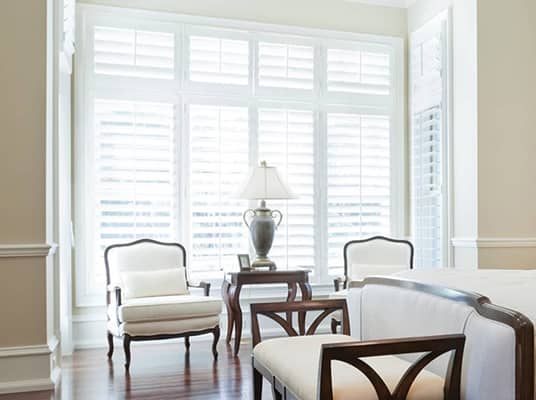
(285, 66)
(358, 181)
(362, 72)
(220, 61)
(132, 53)
(427, 197)
(218, 164)
(135, 180)
(286, 141)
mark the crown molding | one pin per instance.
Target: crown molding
(27, 250)
(385, 3)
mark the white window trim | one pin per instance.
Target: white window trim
(179, 95)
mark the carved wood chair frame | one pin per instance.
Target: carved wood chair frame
(353, 352)
(127, 339)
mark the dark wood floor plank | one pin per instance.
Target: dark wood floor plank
(158, 372)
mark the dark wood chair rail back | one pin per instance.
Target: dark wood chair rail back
(271, 310)
(432, 347)
(522, 326)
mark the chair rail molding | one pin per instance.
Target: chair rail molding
(479, 243)
(27, 250)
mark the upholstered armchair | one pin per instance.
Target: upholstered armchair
(377, 255)
(148, 296)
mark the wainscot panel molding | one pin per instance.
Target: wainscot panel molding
(29, 368)
(494, 242)
(27, 250)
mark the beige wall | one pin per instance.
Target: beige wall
(22, 116)
(507, 131)
(22, 169)
(326, 14)
(507, 118)
(494, 129)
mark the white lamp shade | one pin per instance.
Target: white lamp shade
(265, 183)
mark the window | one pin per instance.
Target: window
(428, 142)
(173, 113)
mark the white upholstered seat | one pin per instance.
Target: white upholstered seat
(161, 308)
(295, 361)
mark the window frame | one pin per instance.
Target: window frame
(180, 91)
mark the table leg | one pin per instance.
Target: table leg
(291, 296)
(234, 297)
(307, 294)
(230, 314)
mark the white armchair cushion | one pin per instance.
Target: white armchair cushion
(162, 282)
(165, 308)
(361, 271)
(295, 361)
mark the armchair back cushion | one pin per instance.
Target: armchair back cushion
(377, 256)
(144, 255)
(161, 282)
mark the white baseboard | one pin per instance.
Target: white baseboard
(29, 368)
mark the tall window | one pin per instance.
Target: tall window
(429, 75)
(173, 113)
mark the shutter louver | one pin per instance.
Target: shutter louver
(358, 180)
(286, 66)
(359, 72)
(218, 164)
(131, 53)
(286, 141)
(219, 61)
(427, 197)
(135, 193)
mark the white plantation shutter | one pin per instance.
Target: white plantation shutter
(355, 71)
(220, 61)
(427, 143)
(133, 53)
(134, 173)
(218, 164)
(174, 111)
(358, 180)
(286, 141)
(283, 65)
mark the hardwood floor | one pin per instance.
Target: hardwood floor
(158, 372)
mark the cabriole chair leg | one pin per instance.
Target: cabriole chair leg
(187, 343)
(126, 348)
(110, 345)
(216, 334)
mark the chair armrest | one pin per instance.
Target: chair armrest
(117, 290)
(432, 347)
(201, 285)
(272, 310)
(339, 283)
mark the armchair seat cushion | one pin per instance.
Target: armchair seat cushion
(174, 327)
(165, 308)
(295, 361)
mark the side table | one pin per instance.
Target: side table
(232, 286)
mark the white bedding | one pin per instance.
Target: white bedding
(514, 289)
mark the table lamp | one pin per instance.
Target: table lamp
(263, 183)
